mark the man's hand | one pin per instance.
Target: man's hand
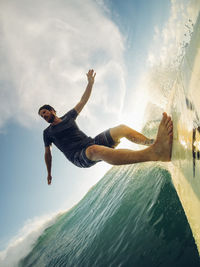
(49, 178)
(91, 75)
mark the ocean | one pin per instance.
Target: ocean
(131, 217)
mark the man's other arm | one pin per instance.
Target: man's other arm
(48, 161)
(90, 75)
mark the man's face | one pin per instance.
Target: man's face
(47, 115)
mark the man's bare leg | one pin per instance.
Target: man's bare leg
(124, 131)
(159, 151)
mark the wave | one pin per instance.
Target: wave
(132, 217)
(23, 242)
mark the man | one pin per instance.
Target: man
(84, 151)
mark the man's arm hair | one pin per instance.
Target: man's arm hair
(48, 161)
(91, 75)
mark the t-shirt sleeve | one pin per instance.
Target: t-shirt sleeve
(72, 114)
(46, 138)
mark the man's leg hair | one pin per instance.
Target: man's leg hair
(123, 130)
(159, 151)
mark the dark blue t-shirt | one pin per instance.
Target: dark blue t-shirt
(66, 135)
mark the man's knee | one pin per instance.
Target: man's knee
(118, 132)
(123, 127)
(119, 127)
(92, 152)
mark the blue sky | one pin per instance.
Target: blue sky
(46, 50)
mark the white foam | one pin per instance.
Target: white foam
(22, 243)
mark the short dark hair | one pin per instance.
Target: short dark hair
(48, 107)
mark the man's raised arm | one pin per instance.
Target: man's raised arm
(48, 161)
(90, 75)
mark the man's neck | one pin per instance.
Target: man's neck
(56, 120)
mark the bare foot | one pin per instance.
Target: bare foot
(163, 145)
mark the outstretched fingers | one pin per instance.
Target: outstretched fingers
(91, 73)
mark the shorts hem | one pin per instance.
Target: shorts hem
(103, 139)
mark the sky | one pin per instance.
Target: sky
(46, 49)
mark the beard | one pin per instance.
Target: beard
(51, 119)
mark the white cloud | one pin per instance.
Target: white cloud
(47, 47)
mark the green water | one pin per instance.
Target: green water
(132, 217)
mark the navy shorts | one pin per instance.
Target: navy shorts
(104, 139)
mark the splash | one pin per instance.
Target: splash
(22, 244)
(168, 51)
